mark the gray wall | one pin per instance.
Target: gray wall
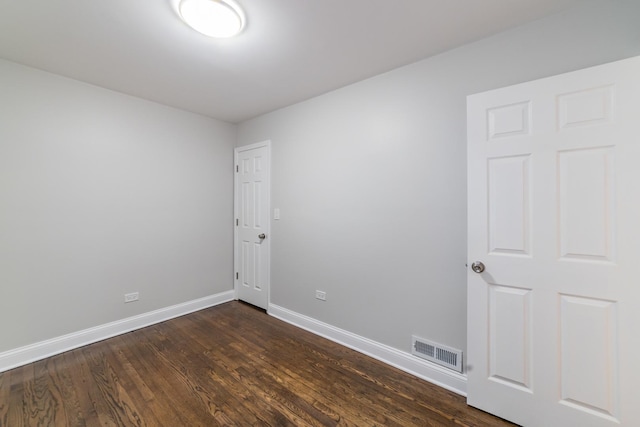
(371, 178)
(103, 194)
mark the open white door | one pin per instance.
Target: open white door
(554, 216)
(252, 206)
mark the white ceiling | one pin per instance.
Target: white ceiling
(291, 50)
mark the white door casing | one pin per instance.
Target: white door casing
(554, 215)
(252, 227)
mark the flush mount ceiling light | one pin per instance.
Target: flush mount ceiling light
(213, 18)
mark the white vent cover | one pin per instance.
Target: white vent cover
(437, 353)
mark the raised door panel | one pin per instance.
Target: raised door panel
(589, 355)
(510, 337)
(509, 202)
(586, 204)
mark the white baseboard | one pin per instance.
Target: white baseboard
(424, 369)
(40, 350)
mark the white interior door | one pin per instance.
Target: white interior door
(554, 216)
(252, 249)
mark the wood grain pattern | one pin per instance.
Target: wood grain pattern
(230, 365)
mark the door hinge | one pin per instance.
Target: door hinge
(237, 168)
(236, 275)
(237, 222)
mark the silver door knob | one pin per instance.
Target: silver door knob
(477, 267)
(262, 236)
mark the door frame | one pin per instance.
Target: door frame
(236, 216)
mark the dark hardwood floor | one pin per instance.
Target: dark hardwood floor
(229, 365)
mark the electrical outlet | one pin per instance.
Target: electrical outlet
(133, 296)
(321, 295)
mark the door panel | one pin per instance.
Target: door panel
(510, 336)
(252, 213)
(588, 379)
(554, 214)
(509, 205)
(585, 200)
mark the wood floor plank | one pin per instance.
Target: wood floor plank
(40, 402)
(84, 386)
(118, 407)
(15, 416)
(131, 387)
(5, 390)
(63, 395)
(230, 365)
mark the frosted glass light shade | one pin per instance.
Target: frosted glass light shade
(213, 18)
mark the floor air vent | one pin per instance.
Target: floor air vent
(437, 353)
